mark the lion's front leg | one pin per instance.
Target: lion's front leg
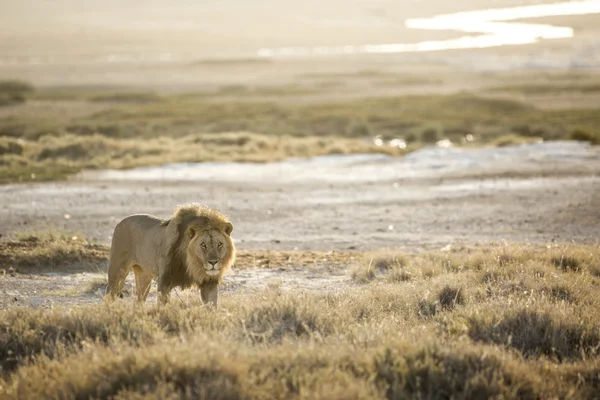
(163, 297)
(210, 293)
(164, 284)
(164, 292)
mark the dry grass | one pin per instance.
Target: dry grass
(55, 157)
(491, 322)
(51, 251)
(550, 88)
(514, 140)
(14, 92)
(65, 130)
(586, 136)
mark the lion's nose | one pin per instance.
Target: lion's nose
(213, 262)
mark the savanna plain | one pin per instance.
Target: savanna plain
(454, 283)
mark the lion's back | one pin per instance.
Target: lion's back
(137, 238)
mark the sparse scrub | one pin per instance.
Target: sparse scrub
(549, 88)
(9, 146)
(399, 275)
(359, 129)
(449, 297)
(286, 318)
(363, 275)
(144, 128)
(208, 368)
(29, 333)
(96, 286)
(561, 334)
(15, 87)
(42, 251)
(566, 263)
(54, 157)
(586, 136)
(14, 92)
(514, 140)
(489, 321)
(391, 265)
(428, 309)
(410, 138)
(561, 293)
(385, 263)
(140, 97)
(430, 135)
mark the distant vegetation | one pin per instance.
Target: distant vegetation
(549, 88)
(14, 92)
(586, 136)
(73, 128)
(55, 157)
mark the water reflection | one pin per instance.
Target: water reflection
(490, 26)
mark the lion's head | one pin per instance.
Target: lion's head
(210, 248)
(205, 246)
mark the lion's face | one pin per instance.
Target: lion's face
(212, 250)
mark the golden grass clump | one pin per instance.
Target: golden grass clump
(36, 252)
(497, 321)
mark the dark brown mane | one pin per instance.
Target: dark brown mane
(185, 216)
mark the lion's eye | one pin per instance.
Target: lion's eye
(203, 245)
(220, 245)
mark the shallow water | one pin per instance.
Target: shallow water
(490, 25)
(428, 162)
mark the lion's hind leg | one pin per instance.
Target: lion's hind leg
(117, 273)
(143, 281)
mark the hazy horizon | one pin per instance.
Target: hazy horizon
(214, 29)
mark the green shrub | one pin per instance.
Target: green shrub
(585, 136)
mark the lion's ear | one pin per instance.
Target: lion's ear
(228, 228)
(191, 232)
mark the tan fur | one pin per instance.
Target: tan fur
(178, 252)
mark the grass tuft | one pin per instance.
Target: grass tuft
(567, 263)
(524, 331)
(273, 323)
(36, 252)
(585, 136)
(514, 140)
(449, 297)
(14, 92)
(537, 333)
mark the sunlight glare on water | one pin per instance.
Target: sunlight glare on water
(490, 25)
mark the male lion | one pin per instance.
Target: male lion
(193, 247)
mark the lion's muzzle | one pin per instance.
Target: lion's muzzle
(212, 268)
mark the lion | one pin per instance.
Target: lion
(193, 247)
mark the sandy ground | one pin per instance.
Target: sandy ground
(430, 198)
(255, 271)
(334, 204)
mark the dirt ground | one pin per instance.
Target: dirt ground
(430, 198)
(255, 270)
(311, 219)
(303, 224)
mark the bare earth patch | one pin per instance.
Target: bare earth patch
(49, 269)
